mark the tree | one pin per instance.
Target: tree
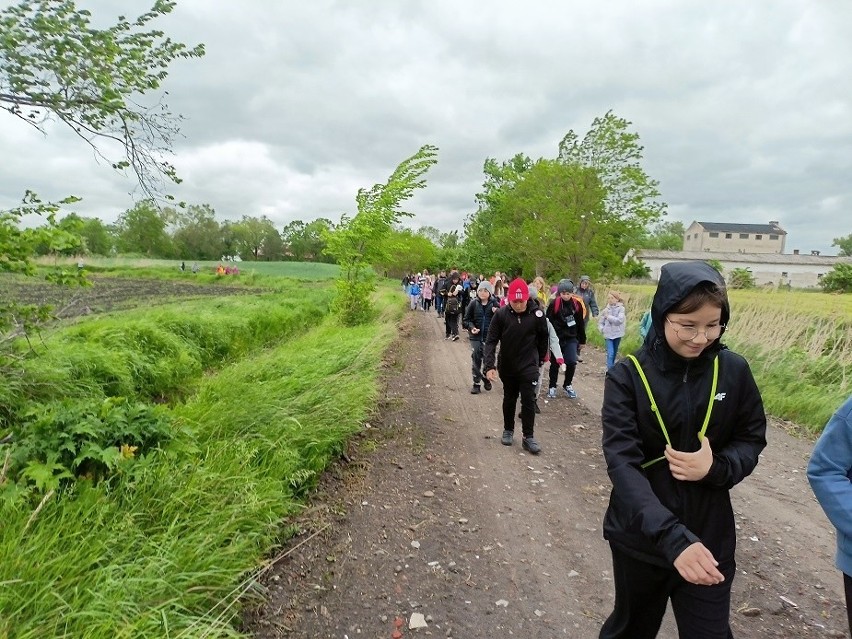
(665, 236)
(359, 242)
(54, 63)
(741, 278)
(97, 238)
(838, 280)
(306, 242)
(198, 235)
(142, 229)
(257, 238)
(407, 252)
(844, 244)
(615, 153)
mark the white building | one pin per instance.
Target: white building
(799, 271)
(734, 238)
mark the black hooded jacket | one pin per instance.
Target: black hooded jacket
(523, 340)
(651, 515)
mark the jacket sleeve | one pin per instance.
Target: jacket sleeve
(830, 468)
(581, 326)
(632, 494)
(542, 338)
(736, 460)
(554, 340)
(469, 314)
(619, 317)
(495, 331)
(593, 304)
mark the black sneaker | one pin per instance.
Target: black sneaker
(506, 440)
(486, 384)
(537, 409)
(530, 444)
(475, 390)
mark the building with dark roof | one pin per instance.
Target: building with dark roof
(734, 238)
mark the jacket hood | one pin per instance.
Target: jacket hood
(677, 279)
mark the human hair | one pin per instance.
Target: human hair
(618, 295)
(704, 293)
(539, 283)
(498, 288)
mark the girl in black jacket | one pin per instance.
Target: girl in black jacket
(670, 523)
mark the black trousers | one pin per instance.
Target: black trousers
(451, 322)
(847, 588)
(642, 591)
(569, 347)
(512, 387)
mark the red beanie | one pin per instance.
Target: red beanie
(518, 290)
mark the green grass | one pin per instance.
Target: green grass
(137, 266)
(171, 548)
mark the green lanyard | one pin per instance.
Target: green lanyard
(656, 410)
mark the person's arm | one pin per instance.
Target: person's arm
(737, 458)
(489, 352)
(618, 318)
(553, 338)
(581, 327)
(542, 338)
(593, 304)
(830, 467)
(469, 315)
(635, 500)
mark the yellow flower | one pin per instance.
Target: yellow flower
(128, 452)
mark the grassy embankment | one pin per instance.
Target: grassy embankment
(798, 343)
(261, 393)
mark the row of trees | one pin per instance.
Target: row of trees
(193, 233)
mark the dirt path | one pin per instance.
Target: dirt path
(431, 515)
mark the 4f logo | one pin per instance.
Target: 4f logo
(720, 397)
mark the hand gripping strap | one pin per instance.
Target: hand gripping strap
(656, 410)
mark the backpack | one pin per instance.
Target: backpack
(453, 305)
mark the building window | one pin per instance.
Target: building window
(758, 237)
(714, 235)
(743, 236)
(728, 236)
(773, 238)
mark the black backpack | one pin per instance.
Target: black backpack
(453, 305)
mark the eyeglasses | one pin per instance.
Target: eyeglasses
(689, 333)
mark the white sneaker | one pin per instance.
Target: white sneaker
(551, 393)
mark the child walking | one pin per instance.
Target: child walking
(670, 523)
(612, 324)
(452, 310)
(566, 315)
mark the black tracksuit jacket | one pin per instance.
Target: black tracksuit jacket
(651, 515)
(523, 342)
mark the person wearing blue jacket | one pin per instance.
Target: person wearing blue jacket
(683, 422)
(830, 475)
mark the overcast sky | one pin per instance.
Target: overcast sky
(744, 108)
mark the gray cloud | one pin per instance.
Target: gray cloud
(742, 108)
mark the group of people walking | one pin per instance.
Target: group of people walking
(682, 423)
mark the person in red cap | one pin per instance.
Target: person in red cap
(521, 331)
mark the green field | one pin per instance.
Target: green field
(151, 516)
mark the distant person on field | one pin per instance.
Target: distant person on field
(587, 294)
(612, 323)
(830, 472)
(477, 319)
(195, 267)
(182, 267)
(683, 423)
(565, 313)
(521, 332)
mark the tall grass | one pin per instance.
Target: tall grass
(799, 346)
(169, 549)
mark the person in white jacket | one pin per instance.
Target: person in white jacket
(612, 322)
